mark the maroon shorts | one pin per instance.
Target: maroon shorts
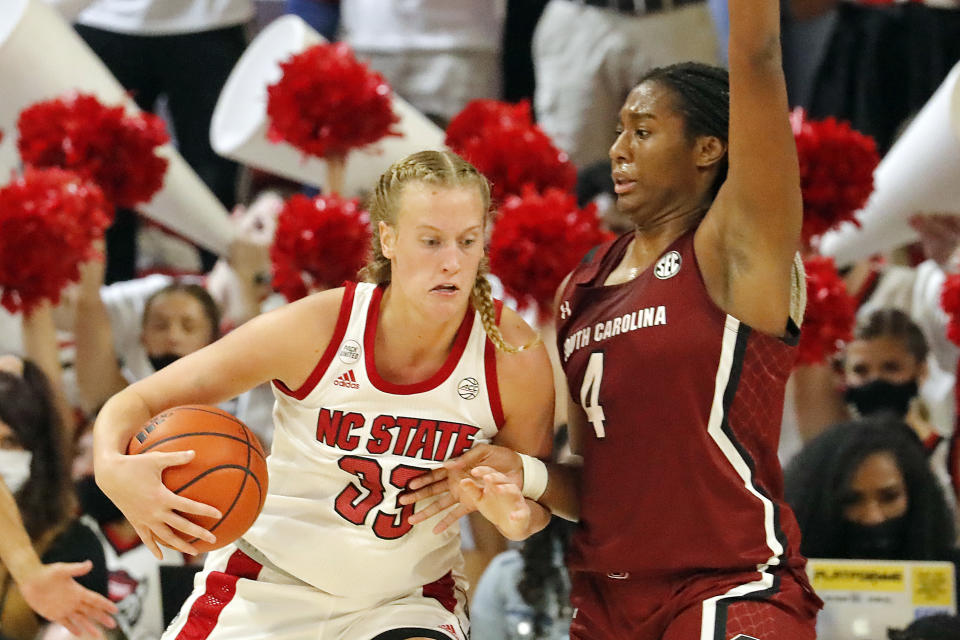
(706, 606)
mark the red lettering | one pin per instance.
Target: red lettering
(346, 441)
(422, 441)
(379, 440)
(405, 424)
(328, 425)
(447, 430)
(464, 439)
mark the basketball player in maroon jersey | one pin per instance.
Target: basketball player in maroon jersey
(676, 341)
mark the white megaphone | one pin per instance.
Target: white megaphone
(239, 127)
(920, 174)
(41, 58)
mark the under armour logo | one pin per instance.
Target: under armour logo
(565, 310)
(743, 636)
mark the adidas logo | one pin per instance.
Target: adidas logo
(347, 380)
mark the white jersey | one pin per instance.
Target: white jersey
(347, 442)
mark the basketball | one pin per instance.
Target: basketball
(228, 472)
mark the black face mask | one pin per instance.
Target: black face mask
(95, 502)
(159, 362)
(882, 541)
(882, 396)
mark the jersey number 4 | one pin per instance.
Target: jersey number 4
(590, 393)
(354, 507)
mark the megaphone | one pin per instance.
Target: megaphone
(41, 58)
(920, 174)
(239, 127)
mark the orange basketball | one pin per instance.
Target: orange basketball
(229, 470)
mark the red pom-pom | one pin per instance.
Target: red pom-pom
(327, 102)
(537, 240)
(836, 172)
(48, 221)
(830, 314)
(481, 114)
(102, 144)
(950, 301)
(319, 243)
(509, 149)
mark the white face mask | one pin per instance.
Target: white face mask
(15, 468)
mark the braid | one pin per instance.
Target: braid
(703, 98)
(482, 299)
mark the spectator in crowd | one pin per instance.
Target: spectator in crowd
(588, 55)
(157, 48)
(436, 54)
(50, 590)
(883, 60)
(525, 593)
(878, 284)
(935, 627)
(864, 489)
(33, 457)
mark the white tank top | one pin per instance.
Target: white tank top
(347, 442)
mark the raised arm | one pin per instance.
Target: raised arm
(748, 238)
(40, 345)
(98, 370)
(285, 344)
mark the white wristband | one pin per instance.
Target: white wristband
(534, 477)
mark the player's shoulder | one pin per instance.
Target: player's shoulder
(312, 318)
(514, 329)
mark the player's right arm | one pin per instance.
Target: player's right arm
(285, 344)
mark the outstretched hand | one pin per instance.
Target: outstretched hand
(445, 483)
(53, 593)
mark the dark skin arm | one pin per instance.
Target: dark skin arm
(746, 242)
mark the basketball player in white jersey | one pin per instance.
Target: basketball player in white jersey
(374, 383)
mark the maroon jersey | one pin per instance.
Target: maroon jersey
(683, 406)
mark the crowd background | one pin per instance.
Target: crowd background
(872, 462)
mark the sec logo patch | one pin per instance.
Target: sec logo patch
(668, 266)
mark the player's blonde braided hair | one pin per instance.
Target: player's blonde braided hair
(439, 168)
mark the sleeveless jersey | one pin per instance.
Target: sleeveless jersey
(683, 406)
(346, 444)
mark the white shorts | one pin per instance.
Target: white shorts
(238, 598)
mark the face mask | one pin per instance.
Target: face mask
(880, 395)
(159, 362)
(15, 468)
(882, 541)
(95, 502)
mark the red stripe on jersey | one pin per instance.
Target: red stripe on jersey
(369, 340)
(490, 369)
(442, 591)
(343, 319)
(221, 587)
